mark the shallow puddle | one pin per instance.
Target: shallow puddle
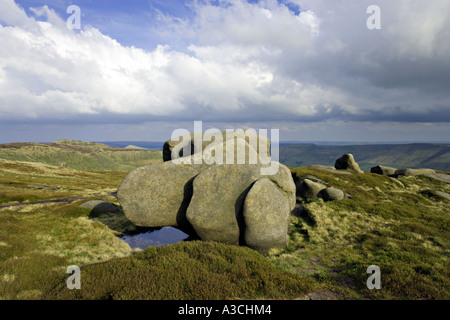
(164, 236)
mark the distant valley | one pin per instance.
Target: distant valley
(416, 155)
(80, 155)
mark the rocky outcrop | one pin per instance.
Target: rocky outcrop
(347, 162)
(207, 200)
(383, 170)
(331, 194)
(414, 172)
(307, 188)
(218, 197)
(439, 176)
(202, 142)
(443, 195)
(310, 187)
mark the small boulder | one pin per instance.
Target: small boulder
(314, 179)
(439, 176)
(307, 188)
(347, 162)
(383, 170)
(331, 194)
(443, 195)
(99, 207)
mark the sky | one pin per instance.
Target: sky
(138, 70)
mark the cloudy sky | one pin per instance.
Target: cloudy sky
(137, 70)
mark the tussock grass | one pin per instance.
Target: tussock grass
(404, 231)
(189, 270)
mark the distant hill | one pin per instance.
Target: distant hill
(80, 155)
(143, 144)
(415, 155)
(109, 156)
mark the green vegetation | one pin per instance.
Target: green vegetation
(39, 241)
(418, 155)
(403, 230)
(80, 155)
(189, 270)
(25, 182)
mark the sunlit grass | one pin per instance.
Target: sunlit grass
(405, 231)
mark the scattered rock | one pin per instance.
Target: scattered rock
(314, 179)
(331, 194)
(99, 207)
(383, 170)
(414, 172)
(266, 216)
(347, 162)
(439, 176)
(443, 194)
(306, 188)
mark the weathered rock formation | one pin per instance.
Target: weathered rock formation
(204, 142)
(331, 194)
(310, 187)
(227, 202)
(383, 170)
(413, 172)
(307, 188)
(347, 162)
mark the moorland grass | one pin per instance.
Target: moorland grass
(189, 270)
(403, 230)
(80, 155)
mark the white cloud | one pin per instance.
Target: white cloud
(243, 61)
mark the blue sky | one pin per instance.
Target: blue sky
(137, 70)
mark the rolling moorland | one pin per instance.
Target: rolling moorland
(402, 228)
(416, 155)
